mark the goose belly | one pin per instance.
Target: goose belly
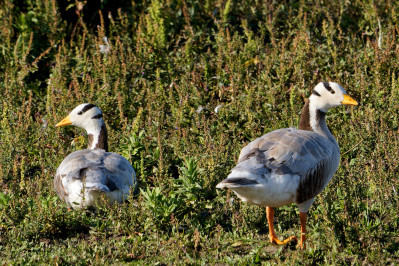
(272, 190)
(79, 196)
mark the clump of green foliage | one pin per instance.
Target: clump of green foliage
(169, 64)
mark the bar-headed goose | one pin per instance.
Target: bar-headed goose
(291, 165)
(85, 175)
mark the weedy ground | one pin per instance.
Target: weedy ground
(170, 64)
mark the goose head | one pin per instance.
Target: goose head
(86, 116)
(89, 117)
(327, 95)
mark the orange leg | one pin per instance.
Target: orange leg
(272, 234)
(303, 217)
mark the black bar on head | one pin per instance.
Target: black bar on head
(86, 108)
(328, 87)
(315, 93)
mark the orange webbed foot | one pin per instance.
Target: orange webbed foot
(275, 240)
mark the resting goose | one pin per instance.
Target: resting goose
(291, 165)
(86, 175)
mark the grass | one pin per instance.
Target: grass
(259, 60)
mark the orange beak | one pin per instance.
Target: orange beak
(65, 122)
(349, 100)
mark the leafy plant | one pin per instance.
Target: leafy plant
(189, 186)
(161, 207)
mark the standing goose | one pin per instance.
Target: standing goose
(85, 175)
(291, 165)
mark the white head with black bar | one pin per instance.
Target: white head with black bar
(89, 117)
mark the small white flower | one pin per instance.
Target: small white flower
(218, 107)
(104, 49)
(44, 123)
(200, 109)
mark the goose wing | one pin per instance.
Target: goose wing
(290, 150)
(120, 171)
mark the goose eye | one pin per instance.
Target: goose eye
(328, 87)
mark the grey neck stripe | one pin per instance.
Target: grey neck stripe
(320, 116)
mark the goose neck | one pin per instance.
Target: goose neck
(98, 138)
(314, 119)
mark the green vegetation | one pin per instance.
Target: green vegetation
(260, 60)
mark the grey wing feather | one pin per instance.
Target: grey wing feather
(59, 187)
(121, 171)
(73, 167)
(108, 171)
(290, 151)
(313, 182)
(253, 162)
